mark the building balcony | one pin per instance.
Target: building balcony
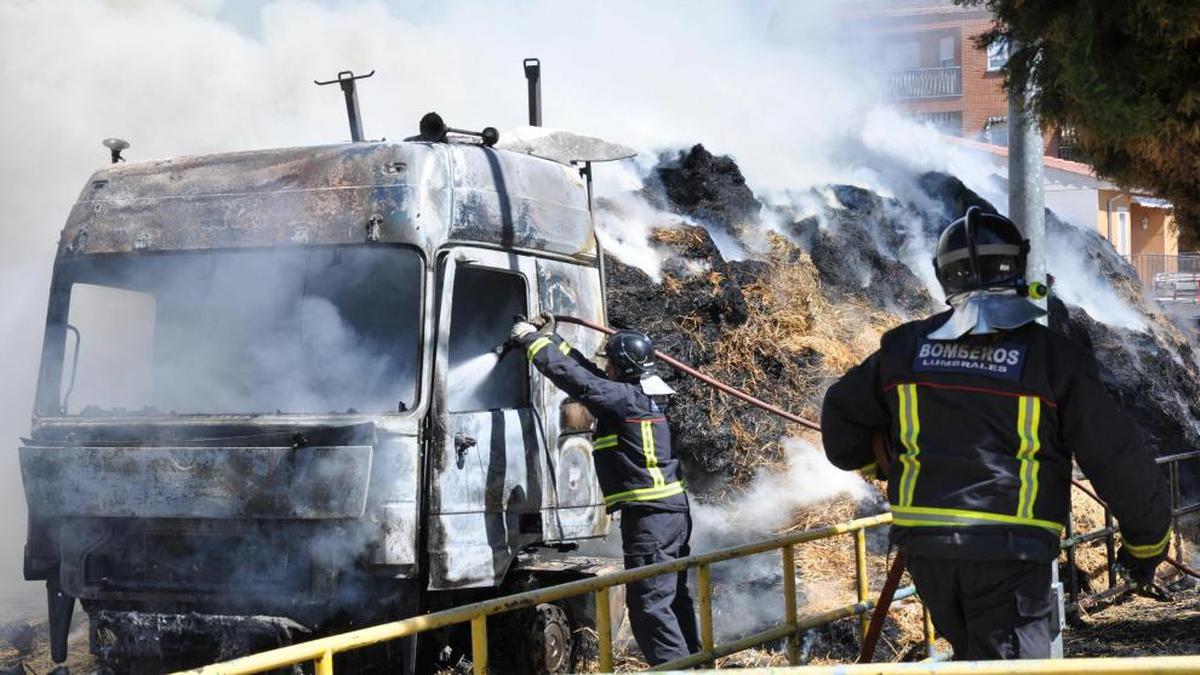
(919, 83)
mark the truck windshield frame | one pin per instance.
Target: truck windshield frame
(313, 331)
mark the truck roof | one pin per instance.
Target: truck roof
(415, 193)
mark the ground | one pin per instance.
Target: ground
(1139, 626)
(26, 641)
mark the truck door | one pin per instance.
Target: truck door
(486, 464)
(575, 507)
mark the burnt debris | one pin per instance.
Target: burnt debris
(859, 250)
(708, 188)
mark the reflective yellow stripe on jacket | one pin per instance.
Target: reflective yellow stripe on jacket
(536, 346)
(910, 431)
(927, 516)
(1029, 415)
(604, 442)
(651, 454)
(645, 494)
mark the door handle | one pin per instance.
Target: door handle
(461, 443)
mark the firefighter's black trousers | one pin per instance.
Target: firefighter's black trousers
(987, 610)
(660, 608)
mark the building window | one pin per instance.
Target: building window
(995, 131)
(1122, 236)
(949, 123)
(903, 55)
(946, 49)
(1068, 144)
(997, 55)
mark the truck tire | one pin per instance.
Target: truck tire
(547, 641)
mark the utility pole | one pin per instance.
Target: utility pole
(1026, 200)
(1027, 208)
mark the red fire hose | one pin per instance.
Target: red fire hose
(684, 368)
(866, 653)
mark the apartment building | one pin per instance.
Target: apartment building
(932, 67)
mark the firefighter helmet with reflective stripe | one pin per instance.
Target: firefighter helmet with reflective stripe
(981, 251)
(631, 354)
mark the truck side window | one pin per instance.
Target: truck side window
(116, 347)
(481, 315)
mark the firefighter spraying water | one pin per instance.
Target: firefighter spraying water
(638, 473)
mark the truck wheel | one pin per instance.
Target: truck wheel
(550, 641)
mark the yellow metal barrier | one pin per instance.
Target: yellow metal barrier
(321, 651)
(1139, 665)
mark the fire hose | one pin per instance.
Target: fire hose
(871, 637)
(688, 370)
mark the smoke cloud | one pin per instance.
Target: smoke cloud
(774, 497)
(1079, 283)
(748, 590)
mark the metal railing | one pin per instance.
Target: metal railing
(1171, 278)
(924, 83)
(321, 651)
(1108, 534)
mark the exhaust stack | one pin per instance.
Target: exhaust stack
(347, 78)
(533, 76)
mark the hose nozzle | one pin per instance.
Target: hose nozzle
(502, 350)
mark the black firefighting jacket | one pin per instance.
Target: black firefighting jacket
(632, 443)
(982, 432)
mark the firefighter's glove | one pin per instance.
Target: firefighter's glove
(546, 324)
(522, 332)
(525, 331)
(1138, 571)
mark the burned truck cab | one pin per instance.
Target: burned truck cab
(270, 391)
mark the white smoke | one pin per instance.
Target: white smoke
(1081, 284)
(774, 497)
(625, 219)
(748, 590)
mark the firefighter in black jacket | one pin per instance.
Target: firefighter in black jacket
(638, 474)
(984, 410)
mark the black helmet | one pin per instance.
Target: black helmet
(981, 251)
(631, 354)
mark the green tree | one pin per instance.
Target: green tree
(1125, 76)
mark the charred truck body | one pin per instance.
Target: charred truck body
(269, 402)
